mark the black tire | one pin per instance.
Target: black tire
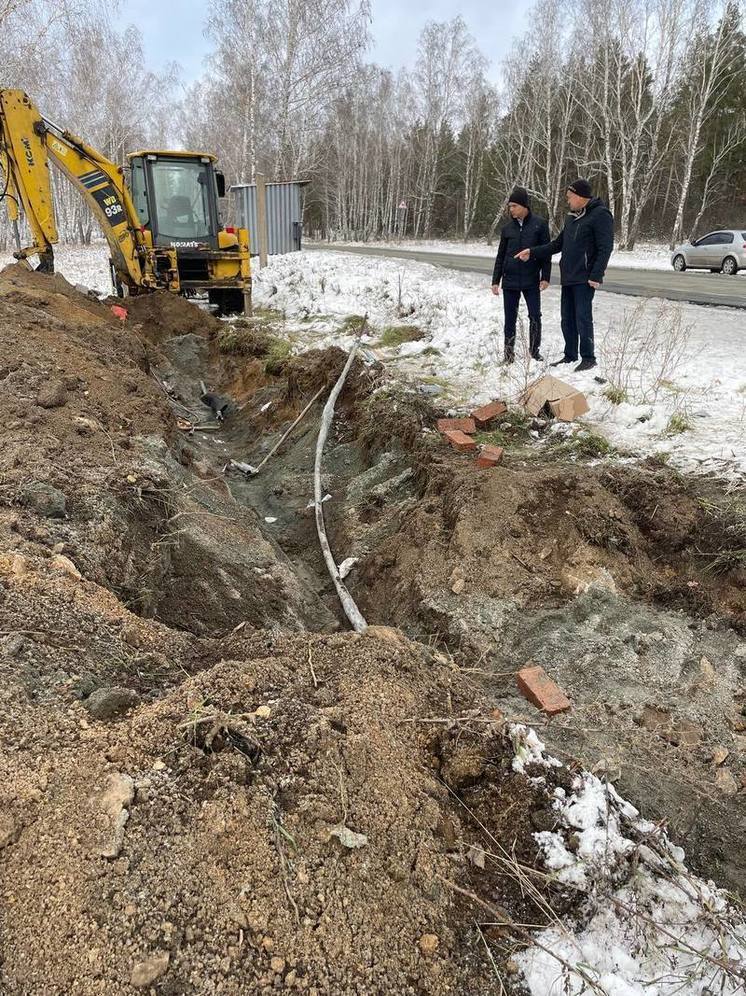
(228, 302)
(730, 266)
(679, 263)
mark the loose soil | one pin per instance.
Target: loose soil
(192, 844)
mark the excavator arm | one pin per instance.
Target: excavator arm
(27, 143)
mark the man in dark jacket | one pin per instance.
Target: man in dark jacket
(585, 242)
(524, 230)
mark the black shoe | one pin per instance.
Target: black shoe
(585, 365)
(537, 355)
(565, 359)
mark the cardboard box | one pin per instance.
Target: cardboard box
(551, 396)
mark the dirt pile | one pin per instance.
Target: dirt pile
(289, 824)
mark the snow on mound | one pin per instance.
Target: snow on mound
(647, 926)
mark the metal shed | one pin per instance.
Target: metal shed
(284, 214)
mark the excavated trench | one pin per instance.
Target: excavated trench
(599, 573)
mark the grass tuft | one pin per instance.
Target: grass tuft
(678, 423)
(616, 395)
(395, 335)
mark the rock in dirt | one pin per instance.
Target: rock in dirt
(44, 499)
(62, 563)
(106, 703)
(114, 803)
(720, 755)
(53, 394)
(145, 972)
(429, 944)
(725, 781)
(349, 838)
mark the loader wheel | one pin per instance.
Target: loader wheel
(228, 302)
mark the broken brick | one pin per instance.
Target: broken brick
(459, 440)
(467, 425)
(490, 456)
(487, 413)
(536, 685)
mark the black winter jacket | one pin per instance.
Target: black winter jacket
(585, 242)
(514, 274)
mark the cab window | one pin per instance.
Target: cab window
(181, 196)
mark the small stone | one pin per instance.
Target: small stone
(428, 944)
(44, 499)
(106, 703)
(277, 965)
(13, 644)
(348, 838)
(458, 586)
(158, 765)
(267, 943)
(131, 478)
(704, 680)
(512, 967)
(52, 395)
(62, 563)
(263, 712)
(290, 978)
(720, 755)
(145, 972)
(19, 564)
(114, 802)
(725, 781)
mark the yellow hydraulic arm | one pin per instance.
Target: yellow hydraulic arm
(27, 142)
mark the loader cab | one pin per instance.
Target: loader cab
(176, 197)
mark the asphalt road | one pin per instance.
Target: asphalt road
(698, 287)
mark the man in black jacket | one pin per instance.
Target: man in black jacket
(523, 230)
(585, 242)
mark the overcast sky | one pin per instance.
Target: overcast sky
(174, 32)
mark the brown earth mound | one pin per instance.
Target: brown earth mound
(163, 315)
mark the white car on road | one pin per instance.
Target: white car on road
(718, 252)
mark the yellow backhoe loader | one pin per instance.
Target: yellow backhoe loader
(163, 227)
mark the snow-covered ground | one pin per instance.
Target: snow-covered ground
(649, 927)
(645, 255)
(685, 361)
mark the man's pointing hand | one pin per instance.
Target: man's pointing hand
(523, 255)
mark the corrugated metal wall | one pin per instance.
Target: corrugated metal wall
(284, 215)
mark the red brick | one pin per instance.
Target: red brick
(490, 456)
(467, 425)
(539, 688)
(459, 440)
(484, 415)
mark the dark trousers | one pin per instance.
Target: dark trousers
(511, 300)
(577, 321)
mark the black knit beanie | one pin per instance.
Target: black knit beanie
(519, 195)
(582, 188)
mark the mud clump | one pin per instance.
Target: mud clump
(163, 315)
